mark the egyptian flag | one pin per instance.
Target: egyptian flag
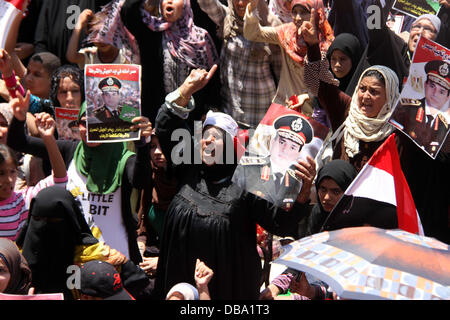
(379, 196)
(9, 10)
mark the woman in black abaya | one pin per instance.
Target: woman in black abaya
(211, 218)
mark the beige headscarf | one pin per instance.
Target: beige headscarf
(359, 127)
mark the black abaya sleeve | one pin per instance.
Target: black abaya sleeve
(150, 49)
(166, 123)
(384, 48)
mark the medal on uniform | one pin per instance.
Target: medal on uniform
(265, 173)
(419, 115)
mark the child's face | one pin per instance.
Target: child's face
(341, 64)
(156, 153)
(103, 47)
(37, 80)
(69, 93)
(8, 176)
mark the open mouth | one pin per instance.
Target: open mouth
(209, 152)
(169, 10)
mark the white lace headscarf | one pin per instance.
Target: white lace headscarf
(359, 127)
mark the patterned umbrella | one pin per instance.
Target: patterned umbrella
(370, 263)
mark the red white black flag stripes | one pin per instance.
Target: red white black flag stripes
(9, 9)
(379, 196)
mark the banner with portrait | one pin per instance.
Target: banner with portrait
(113, 99)
(67, 124)
(267, 167)
(416, 8)
(422, 111)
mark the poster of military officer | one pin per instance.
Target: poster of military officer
(267, 167)
(112, 100)
(422, 111)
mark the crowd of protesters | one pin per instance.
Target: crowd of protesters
(187, 231)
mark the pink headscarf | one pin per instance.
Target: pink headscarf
(187, 42)
(294, 44)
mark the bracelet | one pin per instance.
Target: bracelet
(181, 95)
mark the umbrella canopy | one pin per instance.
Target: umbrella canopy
(372, 263)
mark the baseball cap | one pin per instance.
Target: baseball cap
(101, 279)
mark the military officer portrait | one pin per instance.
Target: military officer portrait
(110, 111)
(273, 177)
(426, 120)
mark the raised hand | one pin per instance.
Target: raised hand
(5, 64)
(45, 124)
(20, 105)
(445, 3)
(197, 79)
(203, 274)
(84, 18)
(252, 5)
(142, 123)
(308, 30)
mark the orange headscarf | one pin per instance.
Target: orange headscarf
(293, 43)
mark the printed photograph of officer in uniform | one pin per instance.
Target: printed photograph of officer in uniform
(426, 120)
(109, 112)
(273, 177)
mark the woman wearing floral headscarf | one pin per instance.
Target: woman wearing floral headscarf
(294, 48)
(171, 45)
(185, 45)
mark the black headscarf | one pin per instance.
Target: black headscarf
(350, 16)
(343, 173)
(54, 228)
(348, 44)
(384, 48)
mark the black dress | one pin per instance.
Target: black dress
(216, 223)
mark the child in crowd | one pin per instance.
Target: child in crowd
(101, 52)
(14, 205)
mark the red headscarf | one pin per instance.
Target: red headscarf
(293, 43)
